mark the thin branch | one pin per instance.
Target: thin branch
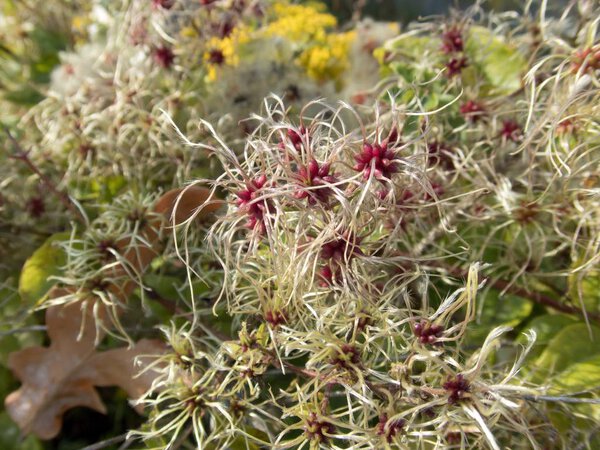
(536, 297)
(560, 399)
(23, 155)
(23, 330)
(106, 443)
(545, 300)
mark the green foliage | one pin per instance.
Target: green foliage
(584, 289)
(502, 64)
(546, 327)
(11, 437)
(572, 345)
(507, 310)
(45, 262)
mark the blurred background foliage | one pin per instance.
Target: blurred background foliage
(42, 45)
(405, 11)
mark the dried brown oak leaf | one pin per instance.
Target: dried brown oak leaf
(64, 375)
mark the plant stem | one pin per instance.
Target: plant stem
(536, 297)
(23, 155)
(560, 399)
(106, 443)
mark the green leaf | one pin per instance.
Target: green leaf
(8, 344)
(243, 443)
(545, 328)
(24, 96)
(581, 376)
(45, 262)
(578, 418)
(431, 102)
(508, 310)
(48, 42)
(584, 290)
(108, 187)
(10, 302)
(414, 46)
(164, 285)
(404, 70)
(501, 63)
(10, 436)
(572, 345)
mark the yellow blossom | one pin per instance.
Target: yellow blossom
(79, 25)
(300, 23)
(224, 51)
(329, 60)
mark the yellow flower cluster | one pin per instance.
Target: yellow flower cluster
(328, 60)
(324, 55)
(300, 23)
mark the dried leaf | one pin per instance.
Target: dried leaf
(62, 376)
(182, 203)
(178, 205)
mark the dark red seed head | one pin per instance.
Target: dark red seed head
(377, 160)
(526, 212)
(427, 333)
(342, 248)
(511, 131)
(363, 322)
(106, 248)
(389, 429)
(453, 437)
(296, 137)
(456, 387)
(328, 276)
(36, 207)
(249, 202)
(313, 180)
(164, 4)
(85, 150)
(452, 40)
(566, 126)
(472, 110)
(455, 66)
(164, 57)
(317, 428)
(346, 356)
(586, 60)
(275, 318)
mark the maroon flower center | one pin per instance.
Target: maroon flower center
(376, 159)
(250, 202)
(318, 429)
(456, 387)
(428, 333)
(164, 56)
(315, 177)
(452, 41)
(472, 111)
(389, 429)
